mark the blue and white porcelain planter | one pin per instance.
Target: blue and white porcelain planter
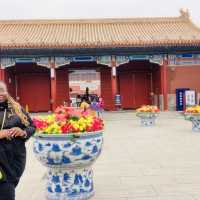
(195, 119)
(68, 159)
(147, 118)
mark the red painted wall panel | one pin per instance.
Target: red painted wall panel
(62, 86)
(135, 89)
(34, 91)
(135, 83)
(156, 80)
(106, 88)
(33, 86)
(142, 89)
(126, 90)
(184, 77)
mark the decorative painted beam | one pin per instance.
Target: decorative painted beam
(184, 59)
(157, 59)
(120, 60)
(7, 62)
(62, 61)
(43, 61)
(105, 60)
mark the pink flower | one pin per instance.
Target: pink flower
(39, 123)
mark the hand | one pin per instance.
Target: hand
(17, 132)
(5, 134)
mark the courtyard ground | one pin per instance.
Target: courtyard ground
(137, 163)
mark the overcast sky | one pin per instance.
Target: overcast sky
(63, 9)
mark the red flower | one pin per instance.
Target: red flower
(66, 128)
(97, 124)
(39, 123)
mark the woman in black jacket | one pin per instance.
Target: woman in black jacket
(16, 127)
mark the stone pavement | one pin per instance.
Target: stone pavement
(137, 163)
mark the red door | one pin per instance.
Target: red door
(135, 89)
(142, 89)
(34, 91)
(62, 90)
(126, 90)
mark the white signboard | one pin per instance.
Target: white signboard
(190, 97)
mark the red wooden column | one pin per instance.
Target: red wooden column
(2, 74)
(114, 82)
(53, 84)
(163, 75)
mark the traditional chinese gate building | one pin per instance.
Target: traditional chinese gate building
(143, 59)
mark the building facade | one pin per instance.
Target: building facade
(142, 59)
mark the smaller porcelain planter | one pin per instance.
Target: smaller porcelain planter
(69, 159)
(147, 118)
(195, 119)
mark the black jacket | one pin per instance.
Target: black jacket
(13, 152)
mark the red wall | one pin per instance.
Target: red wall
(106, 88)
(184, 77)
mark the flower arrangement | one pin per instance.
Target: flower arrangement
(67, 120)
(191, 112)
(68, 141)
(148, 109)
(147, 114)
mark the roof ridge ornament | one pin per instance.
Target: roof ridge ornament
(185, 13)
